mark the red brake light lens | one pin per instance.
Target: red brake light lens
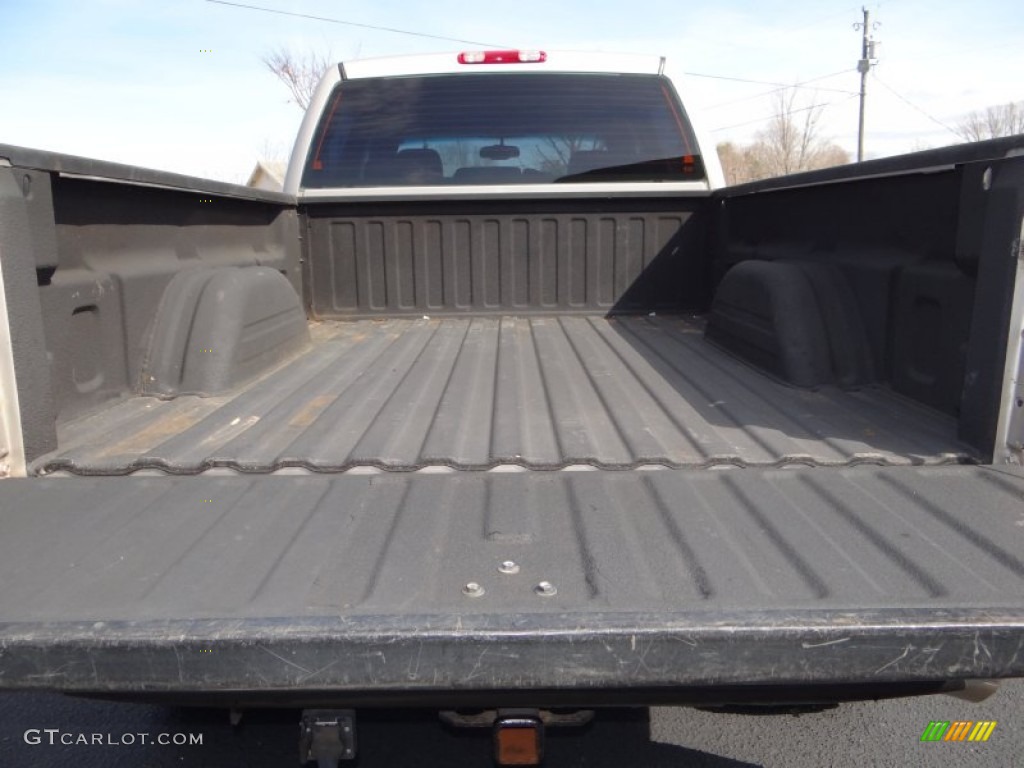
(502, 57)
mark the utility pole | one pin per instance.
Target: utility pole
(867, 56)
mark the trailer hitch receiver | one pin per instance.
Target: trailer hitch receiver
(327, 736)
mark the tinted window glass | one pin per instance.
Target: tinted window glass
(502, 129)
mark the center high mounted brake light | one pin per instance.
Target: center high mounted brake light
(502, 57)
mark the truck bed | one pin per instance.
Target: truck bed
(511, 392)
(313, 535)
(349, 586)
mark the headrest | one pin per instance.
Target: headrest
(493, 174)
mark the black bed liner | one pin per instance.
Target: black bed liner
(539, 392)
(355, 584)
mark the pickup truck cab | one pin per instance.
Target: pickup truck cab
(515, 121)
(506, 404)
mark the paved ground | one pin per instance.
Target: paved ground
(869, 734)
(879, 734)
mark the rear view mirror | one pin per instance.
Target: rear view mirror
(499, 152)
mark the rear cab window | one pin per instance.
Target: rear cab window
(507, 128)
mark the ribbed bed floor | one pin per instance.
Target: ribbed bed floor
(478, 393)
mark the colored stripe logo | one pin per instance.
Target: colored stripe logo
(959, 730)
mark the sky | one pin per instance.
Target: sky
(179, 85)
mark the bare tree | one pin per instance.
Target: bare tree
(791, 142)
(299, 72)
(555, 156)
(273, 151)
(734, 163)
(1002, 120)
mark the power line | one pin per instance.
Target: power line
(914, 106)
(397, 31)
(786, 114)
(959, 53)
(355, 24)
(801, 84)
(756, 82)
(747, 46)
(778, 86)
(822, 20)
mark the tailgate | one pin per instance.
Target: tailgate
(357, 584)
